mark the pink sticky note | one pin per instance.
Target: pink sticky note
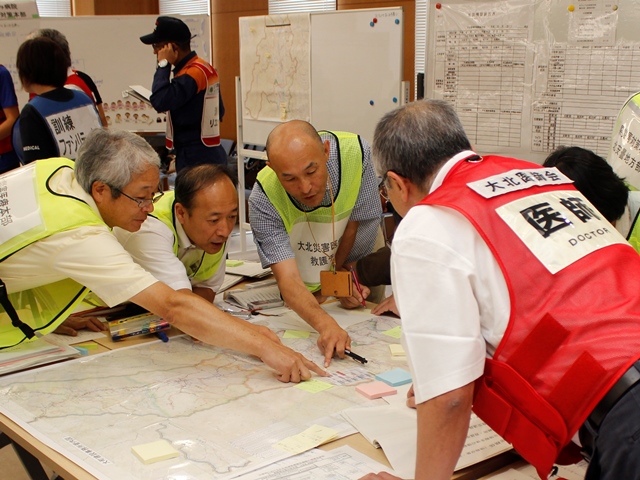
(375, 390)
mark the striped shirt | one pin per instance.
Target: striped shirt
(270, 235)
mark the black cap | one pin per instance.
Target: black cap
(168, 29)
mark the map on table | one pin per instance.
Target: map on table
(221, 410)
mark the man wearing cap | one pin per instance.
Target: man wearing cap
(191, 99)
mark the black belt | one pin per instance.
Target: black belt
(591, 426)
(628, 380)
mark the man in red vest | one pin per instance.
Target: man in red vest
(191, 99)
(517, 297)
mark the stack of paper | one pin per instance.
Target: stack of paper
(229, 281)
(394, 428)
(247, 269)
(256, 298)
(30, 354)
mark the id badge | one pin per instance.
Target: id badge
(336, 284)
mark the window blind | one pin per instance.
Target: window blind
(184, 7)
(293, 6)
(54, 8)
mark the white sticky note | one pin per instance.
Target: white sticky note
(155, 451)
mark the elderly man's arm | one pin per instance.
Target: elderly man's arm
(198, 318)
(443, 423)
(300, 300)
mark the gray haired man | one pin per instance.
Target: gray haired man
(58, 243)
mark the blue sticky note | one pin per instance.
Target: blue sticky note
(395, 377)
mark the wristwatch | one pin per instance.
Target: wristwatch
(163, 63)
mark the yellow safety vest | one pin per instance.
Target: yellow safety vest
(165, 212)
(314, 251)
(45, 307)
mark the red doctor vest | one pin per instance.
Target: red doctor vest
(574, 327)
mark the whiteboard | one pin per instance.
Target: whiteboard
(339, 70)
(109, 50)
(528, 76)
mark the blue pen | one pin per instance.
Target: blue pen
(162, 336)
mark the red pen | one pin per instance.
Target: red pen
(358, 287)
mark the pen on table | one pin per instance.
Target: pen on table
(162, 336)
(355, 356)
(358, 287)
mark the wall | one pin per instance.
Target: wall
(225, 40)
(409, 11)
(226, 43)
(225, 51)
(115, 7)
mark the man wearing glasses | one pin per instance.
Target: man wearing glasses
(56, 244)
(183, 242)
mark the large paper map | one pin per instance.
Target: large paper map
(275, 67)
(223, 411)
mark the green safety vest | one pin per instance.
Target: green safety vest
(633, 237)
(45, 307)
(311, 234)
(625, 138)
(165, 212)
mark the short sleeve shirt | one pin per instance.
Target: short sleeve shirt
(269, 232)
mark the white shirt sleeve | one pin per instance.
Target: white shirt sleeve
(152, 248)
(89, 255)
(452, 299)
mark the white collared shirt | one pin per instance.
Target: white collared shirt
(152, 248)
(90, 255)
(451, 294)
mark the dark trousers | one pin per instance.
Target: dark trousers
(197, 153)
(617, 444)
(8, 161)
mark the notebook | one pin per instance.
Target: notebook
(255, 298)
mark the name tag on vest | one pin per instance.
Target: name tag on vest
(70, 128)
(19, 208)
(559, 227)
(515, 180)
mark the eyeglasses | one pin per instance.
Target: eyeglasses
(382, 188)
(142, 203)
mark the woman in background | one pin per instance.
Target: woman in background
(55, 122)
(8, 115)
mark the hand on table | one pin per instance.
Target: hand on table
(356, 300)
(379, 476)
(74, 323)
(386, 305)
(333, 339)
(290, 366)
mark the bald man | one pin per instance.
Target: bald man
(315, 205)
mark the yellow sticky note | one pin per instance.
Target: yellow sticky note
(234, 263)
(314, 386)
(88, 346)
(395, 332)
(396, 350)
(155, 451)
(310, 438)
(295, 334)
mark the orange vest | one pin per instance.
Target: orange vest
(572, 333)
(207, 79)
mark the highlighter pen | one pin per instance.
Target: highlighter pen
(358, 287)
(356, 357)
